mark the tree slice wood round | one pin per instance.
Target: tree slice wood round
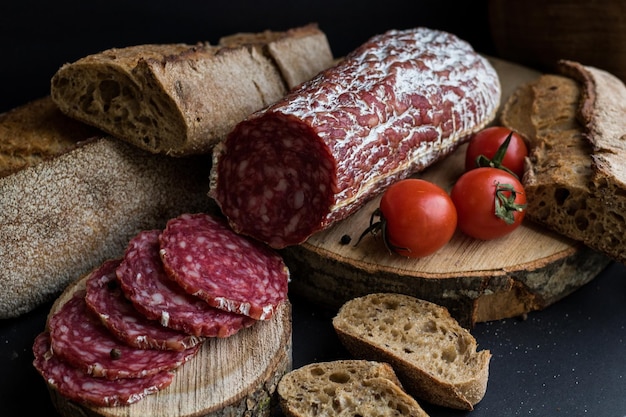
(476, 280)
(229, 376)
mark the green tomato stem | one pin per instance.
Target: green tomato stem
(496, 162)
(380, 226)
(505, 205)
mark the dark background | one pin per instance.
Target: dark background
(565, 360)
(37, 37)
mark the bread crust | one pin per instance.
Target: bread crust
(349, 387)
(434, 357)
(180, 99)
(575, 180)
(30, 134)
(80, 205)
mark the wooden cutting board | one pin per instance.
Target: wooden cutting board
(476, 280)
(230, 376)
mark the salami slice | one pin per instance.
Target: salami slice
(81, 387)
(392, 107)
(106, 299)
(145, 282)
(229, 271)
(78, 338)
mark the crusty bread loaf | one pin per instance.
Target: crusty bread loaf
(79, 202)
(345, 388)
(182, 99)
(575, 180)
(298, 53)
(434, 357)
(30, 134)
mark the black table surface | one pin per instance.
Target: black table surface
(564, 360)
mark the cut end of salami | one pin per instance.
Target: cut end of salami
(295, 169)
(144, 281)
(228, 271)
(394, 106)
(79, 339)
(106, 299)
(81, 387)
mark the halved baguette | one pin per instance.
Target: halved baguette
(182, 99)
(345, 388)
(575, 179)
(434, 357)
(74, 197)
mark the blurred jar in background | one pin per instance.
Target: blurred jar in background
(537, 33)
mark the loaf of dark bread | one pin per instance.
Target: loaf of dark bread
(182, 99)
(575, 181)
(73, 197)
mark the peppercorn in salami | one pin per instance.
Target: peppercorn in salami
(81, 387)
(79, 339)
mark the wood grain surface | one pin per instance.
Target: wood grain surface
(229, 376)
(477, 280)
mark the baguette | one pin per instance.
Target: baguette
(182, 99)
(345, 388)
(575, 179)
(434, 357)
(72, 200)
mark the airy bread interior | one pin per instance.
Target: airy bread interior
(345, 388)
(435, 358)
(575, 180)
(181, 99)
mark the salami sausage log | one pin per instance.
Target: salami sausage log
(81, 387)
(145, 282)
(230, 272)
(392, 107)
(106, 299)
(79, 339)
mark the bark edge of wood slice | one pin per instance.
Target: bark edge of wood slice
(237, 375)
(477, 281)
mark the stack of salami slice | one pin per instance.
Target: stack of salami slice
(138, 318)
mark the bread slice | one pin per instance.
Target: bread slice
(434, 357)
(345, 388)
(77, 199)
(575, 180)
(182, 99)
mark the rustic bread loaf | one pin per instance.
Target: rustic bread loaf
(298, 53)
(182, 99)
(575, 180)
(345, 388)
(434, 357)
(78, 201)
(30, 134)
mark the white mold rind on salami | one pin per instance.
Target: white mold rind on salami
(394, 106)
(229, 271)
(81, 387)
(105, 298)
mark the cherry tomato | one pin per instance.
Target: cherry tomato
(417, 217)
(490, 203)
(487, 141)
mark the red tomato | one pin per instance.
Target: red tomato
(487, 141)
(486, 206)
(418, 217)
